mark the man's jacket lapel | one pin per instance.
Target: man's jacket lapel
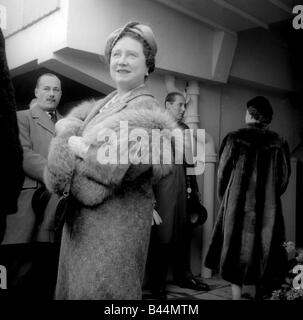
(42, 119)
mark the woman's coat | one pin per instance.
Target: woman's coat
(104, 244)
(247, 241)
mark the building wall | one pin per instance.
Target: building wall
(186, 46)
(262, 57)
(169, 28)
(222, 109)
(23, 13)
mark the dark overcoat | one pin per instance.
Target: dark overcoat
(170, 194)
(104, 244)
(171, 202)
(248, 236)
(12, 175)
(36, 131)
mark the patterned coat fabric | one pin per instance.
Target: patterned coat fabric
(104, 243)
(247, 240)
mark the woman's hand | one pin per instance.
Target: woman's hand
(68, 125)
(156, 218)
(78, 146)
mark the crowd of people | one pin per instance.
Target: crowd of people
(121, 216)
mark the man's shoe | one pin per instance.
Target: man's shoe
(192, 283)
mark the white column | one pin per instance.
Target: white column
(170, 83)
(192, 111)
(207, 180)
(208, 198)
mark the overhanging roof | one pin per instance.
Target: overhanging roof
(234, 15)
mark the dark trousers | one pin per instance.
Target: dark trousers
(162, 255)
(31, 270)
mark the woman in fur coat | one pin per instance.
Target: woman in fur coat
(253, 172)
(98, 156)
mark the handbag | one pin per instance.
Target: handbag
(67, 206)
(196, 212)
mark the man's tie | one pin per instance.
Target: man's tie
(53, 116)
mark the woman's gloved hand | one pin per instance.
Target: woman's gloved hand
(78, 146)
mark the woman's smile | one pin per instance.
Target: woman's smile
(123, 71)
(128, 64)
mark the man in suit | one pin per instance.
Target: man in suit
(27, 241)
(171, 234)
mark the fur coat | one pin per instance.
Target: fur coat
(247, 240)
(104, 243)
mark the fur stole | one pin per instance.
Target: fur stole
(94, 181)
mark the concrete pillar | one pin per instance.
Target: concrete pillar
(192, 113)
(207, 180)
(170, 84)
(208, 198)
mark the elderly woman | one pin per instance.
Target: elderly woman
(105, 241)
